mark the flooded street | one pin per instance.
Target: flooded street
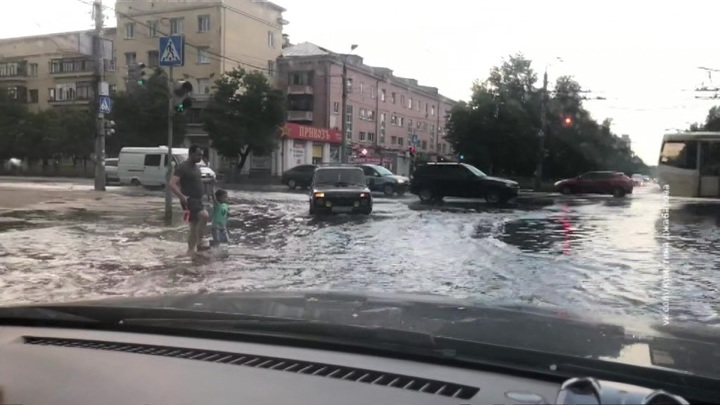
(596, 254)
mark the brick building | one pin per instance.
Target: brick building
(385, 113)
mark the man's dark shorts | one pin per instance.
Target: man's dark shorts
(195, 206)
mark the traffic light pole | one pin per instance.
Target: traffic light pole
(99, 72)
(169, 160)
(542, 134)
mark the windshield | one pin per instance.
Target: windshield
(383, 171)
(340, 177)
(526, 96)
(475, 170)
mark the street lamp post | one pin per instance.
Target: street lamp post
(542, 134)
(343, 109)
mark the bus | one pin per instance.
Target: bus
(689, 164)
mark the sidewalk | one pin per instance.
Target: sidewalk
(71, 198)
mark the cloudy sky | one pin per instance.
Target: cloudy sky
(642, 56)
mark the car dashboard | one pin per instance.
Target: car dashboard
(68, 366)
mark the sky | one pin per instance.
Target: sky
(642, 56)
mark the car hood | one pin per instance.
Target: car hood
(500, 180)
(349, 189)
(680, 347)
(399, 178)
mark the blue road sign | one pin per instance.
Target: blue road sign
(414, 139)
(172, 50)
(105, 104)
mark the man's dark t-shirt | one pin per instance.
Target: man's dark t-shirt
(190, 176)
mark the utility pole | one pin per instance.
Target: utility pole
(98, 51)
(344, 144)
(169, 158)
(542, 133)
(343, 113)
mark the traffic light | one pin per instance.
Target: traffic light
(182, 100)
(567, 121)
(109, 127)
(412, 151)
(136, 74)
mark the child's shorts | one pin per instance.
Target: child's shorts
(219, 235)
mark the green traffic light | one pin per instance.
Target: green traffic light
(180, 108)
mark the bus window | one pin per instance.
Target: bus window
(680, 154)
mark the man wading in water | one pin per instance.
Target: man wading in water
(187, 185)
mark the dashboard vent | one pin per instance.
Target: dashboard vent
(405, 382)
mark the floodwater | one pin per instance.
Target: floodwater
(600, 254)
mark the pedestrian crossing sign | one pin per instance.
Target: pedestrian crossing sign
(105, 104)
(172, 50)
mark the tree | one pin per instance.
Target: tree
(141, 116)
(497, 129)
(244, 115)
(12, 115)
(712, 121)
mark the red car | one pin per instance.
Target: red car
(615, 183)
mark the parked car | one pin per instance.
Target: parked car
(598, 182)
(340, 189)
(299, 176)
(381, 179)
(435, 180)
(111, 171)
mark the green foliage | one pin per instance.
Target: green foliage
(712, 121)
(497, 130)
(45, 134)
(140, 116)
(244, 115)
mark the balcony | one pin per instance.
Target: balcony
(13, 72)
(72, 66)
(295, 115)
(300, 89)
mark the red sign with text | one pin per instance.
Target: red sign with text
(304, 132)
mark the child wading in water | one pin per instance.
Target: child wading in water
(218, 227)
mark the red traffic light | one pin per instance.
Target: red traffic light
(412, 150)
(567, 121)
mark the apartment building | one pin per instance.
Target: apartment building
(54, 70)
(219, 36)
(385, 113)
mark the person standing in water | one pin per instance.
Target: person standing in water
(187, 185)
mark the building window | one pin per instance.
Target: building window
(271, 39)
(432, 110)
(152, 28)
(176, 26)
(203, 86)
(349, 85)
(382, 95)
(371, 136)
(271, 67)
(410, 103)
(392, 98)
(373, 91)
(336, 108)
(362, 88)
(33, 96)
(401, 141)
(129, 30)
(153, 58)
(130, 58)
(363, 137)
(393, 140)
(424, 145)
(203, 57)
(203, 23)
(51, 94)
(348, 121)
(402, 100)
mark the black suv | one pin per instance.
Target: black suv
(433, 181)
(340, 189)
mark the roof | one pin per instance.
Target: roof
(305, 49)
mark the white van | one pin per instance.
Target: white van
(148, 166)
